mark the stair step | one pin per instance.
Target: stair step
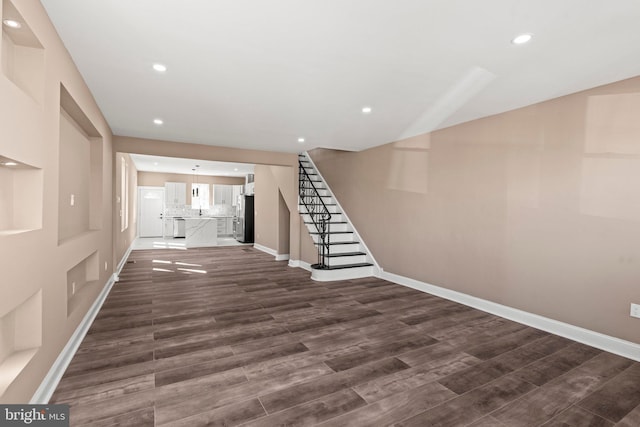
(330, 222)
(340, 267)
(346, 254)
(341, 243)
(333, 232)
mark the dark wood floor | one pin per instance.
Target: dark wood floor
(227, 336)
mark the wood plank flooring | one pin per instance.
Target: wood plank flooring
(228, 336)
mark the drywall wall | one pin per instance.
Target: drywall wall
(537, 208)
(34, 262)
(277, 222)
(203, 152)
(265, 208)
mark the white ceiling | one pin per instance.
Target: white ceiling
(260, 74)
(147, 163)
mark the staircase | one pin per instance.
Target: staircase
(341, 255)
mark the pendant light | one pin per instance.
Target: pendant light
(195, 191)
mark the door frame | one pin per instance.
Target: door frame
(142, 188)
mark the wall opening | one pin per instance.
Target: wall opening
(80, 278)
(20, 338)
(22, 54)
(80, 177)
(20, 197)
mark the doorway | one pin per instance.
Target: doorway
(151, 202)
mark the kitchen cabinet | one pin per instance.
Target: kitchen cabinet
(168, 227)
(222, 227)
(222, 194)
(175, 193)
(225, 226)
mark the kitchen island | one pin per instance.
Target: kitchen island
(201, 232)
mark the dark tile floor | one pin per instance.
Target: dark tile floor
(227, 336)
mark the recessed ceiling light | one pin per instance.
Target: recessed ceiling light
(155, 163)
(522, 38)
(158, 121)
(11, 23)
(10, 164)
(235, 169)
(300, 140)
(366, 110)
(161, 68)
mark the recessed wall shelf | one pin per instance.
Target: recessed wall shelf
(20, 197)
(20, 338)
(22, 54)
(80, 278)
(80, 180)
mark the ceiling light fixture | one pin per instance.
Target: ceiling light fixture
(522, 38)
(155, 163)
(158, 121)
(235, 169)
(366, 110)
(10, 164)
(161, 68)
(11, 23)
(300, 140)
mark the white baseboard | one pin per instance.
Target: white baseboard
(299, 264)
(278, 257)
(594, 339)
(53, 377)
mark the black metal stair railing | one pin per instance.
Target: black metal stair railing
(320, 215)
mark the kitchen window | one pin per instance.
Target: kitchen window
(199, 196)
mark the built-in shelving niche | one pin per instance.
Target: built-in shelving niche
(20, 197)
(79, 280)
(22, 54)
(20, 338)
(80, 171)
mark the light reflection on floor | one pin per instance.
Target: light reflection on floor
(160, 243)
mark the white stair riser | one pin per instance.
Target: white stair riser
(326, 198)
(347, 237)
(331, 208)
(332, 227)
(349, 247)
(343, 260)
(334, 217)
(341, 274)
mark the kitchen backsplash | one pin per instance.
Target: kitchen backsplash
(186, 211)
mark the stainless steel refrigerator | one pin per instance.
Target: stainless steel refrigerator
(243, 222)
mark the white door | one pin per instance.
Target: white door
(151, 202)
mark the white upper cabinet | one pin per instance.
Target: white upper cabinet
(222, 194)
(175, 193)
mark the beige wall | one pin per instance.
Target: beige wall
(265, 208)
(204, 152)
(277, 223)
(35, 264)
(537, 209)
